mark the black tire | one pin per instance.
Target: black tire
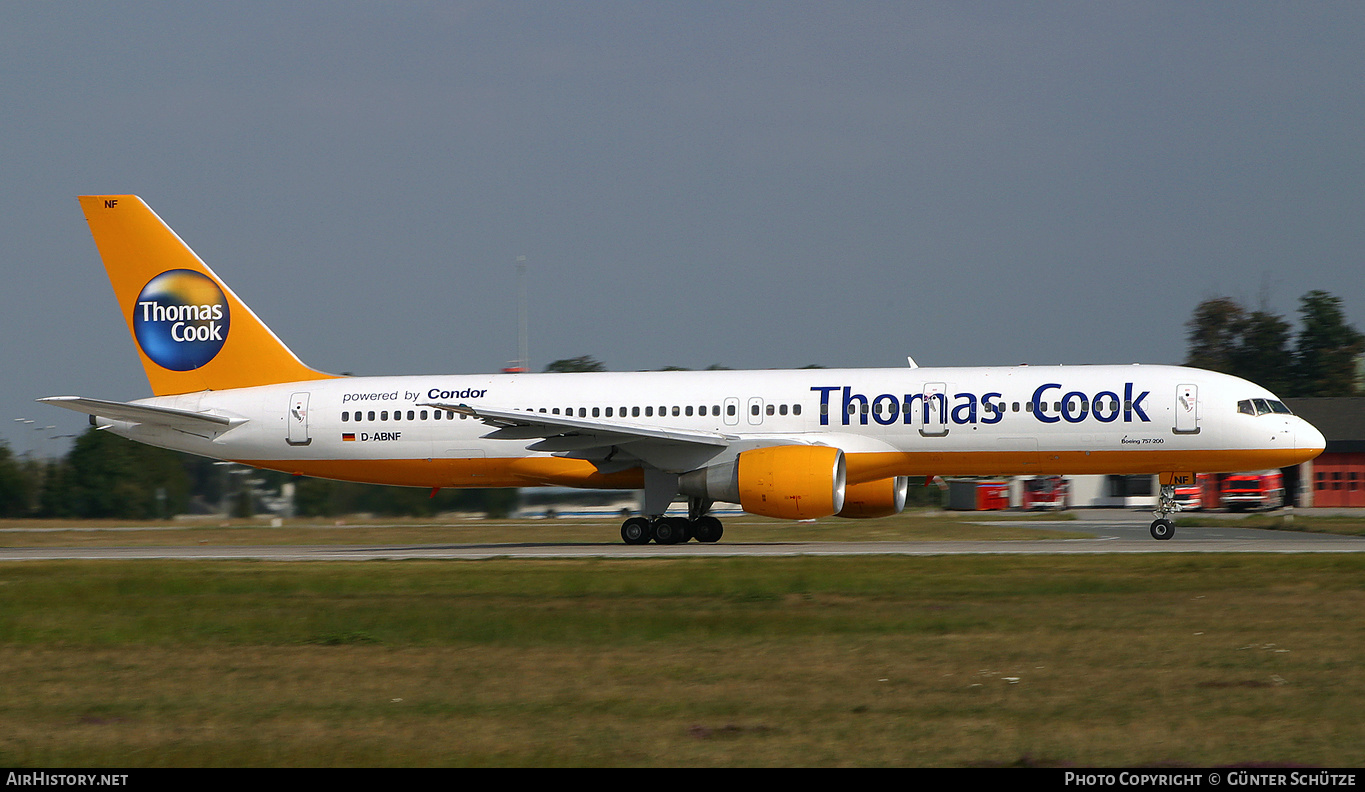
(1163, 529)
(707, 529)
(678, 530)
(666, 531)
(635, 531)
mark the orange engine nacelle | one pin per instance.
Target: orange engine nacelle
(875, 498)
(791, 482)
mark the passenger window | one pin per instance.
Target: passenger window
(675, 411)
(596, 413)
(730, 409)
(634, 412)
(770, 409)
(649, 411)
(609, 415)
(412, 416)
(688, 411)
(782, 410)
(753, 410)
(343, 416)
(796, 409)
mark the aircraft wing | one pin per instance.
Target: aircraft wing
(609, 444)
(616, 445)
(181, 420)
(519, 425)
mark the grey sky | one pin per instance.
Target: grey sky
(752, 184)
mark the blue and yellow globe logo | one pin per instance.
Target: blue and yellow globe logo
(181, 319)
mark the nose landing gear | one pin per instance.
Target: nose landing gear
(1163, 528)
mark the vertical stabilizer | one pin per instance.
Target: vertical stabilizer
(190, 330)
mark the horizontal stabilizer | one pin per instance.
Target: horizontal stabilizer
(182, 420)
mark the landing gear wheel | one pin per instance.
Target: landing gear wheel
(707, 529)
(1163, 529)
(635, 531)
(671, 530)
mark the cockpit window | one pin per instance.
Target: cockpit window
(1262, 407)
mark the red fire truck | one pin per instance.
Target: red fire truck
(1263, 489)
(1202, 494)
(1047, 492)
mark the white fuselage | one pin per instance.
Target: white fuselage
(888, 422)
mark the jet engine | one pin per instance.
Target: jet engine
(792, 482)
(875, 498)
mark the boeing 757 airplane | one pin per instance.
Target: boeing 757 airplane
(800, 444)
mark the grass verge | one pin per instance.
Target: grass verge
(1085, 661)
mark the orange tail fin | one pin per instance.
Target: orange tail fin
(190, 330)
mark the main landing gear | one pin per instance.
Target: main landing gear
(661, 488)
(671, 530)
(1163, 528)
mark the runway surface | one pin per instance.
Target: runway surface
(1120, 533)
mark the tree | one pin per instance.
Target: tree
(1213, 334)
(582, 363)
(14, 494)
(109, 476)
(1325, 359)
(1262, 352)
(1255, 345)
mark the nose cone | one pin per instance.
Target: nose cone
(1308, 438)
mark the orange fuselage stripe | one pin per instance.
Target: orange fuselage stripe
(554, 471)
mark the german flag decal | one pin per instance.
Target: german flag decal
(348, 437)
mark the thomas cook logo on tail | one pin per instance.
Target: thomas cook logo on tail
(181, 319)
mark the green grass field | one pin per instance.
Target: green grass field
(948, 661)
